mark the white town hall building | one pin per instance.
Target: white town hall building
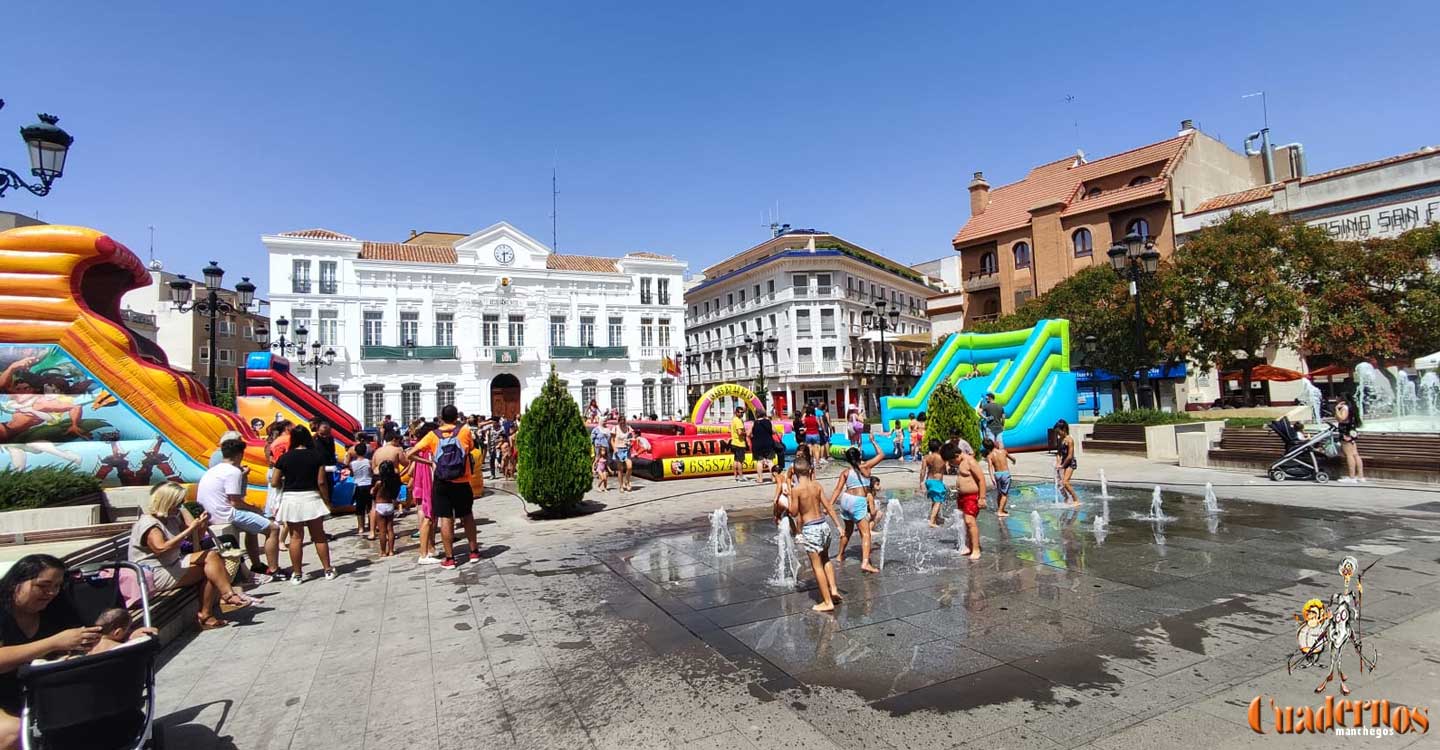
(477, 320)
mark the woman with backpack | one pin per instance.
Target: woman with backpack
(451, 496)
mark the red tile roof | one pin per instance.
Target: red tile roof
(585, 263)
(1236, 199)
(399, 251)
(1060, 182)
(317, 234)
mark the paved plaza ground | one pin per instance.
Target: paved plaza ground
(623, 629)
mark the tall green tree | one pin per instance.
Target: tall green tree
(554, 456)
(1374, 300)
(1234, 290)
(949, 412)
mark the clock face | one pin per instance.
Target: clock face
(504, 255)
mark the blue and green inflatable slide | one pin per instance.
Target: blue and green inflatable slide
(1027, 370)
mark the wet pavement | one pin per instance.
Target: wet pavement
(635, 633)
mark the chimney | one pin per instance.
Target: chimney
(979, 194)
(1186, 126)
(413, 233)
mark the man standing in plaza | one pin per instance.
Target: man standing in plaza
(762, 445)
(992, 419)
(738, 447)
(451, 496)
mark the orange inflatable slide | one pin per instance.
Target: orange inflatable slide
(77, 388)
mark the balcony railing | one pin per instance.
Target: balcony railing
(300, 286)
(507, 355)
(806, 367)
(984, 278)
(329, 287)
(651, 352)
(985, 318)
(139, 318)
(589, 352)
(402, 352)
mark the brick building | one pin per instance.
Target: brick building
(1025, 237)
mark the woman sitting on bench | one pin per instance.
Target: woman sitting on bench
(155, 542)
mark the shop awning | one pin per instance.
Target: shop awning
(1428, 362)
(1263, 373)
(1330, 371)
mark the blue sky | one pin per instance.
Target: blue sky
(677, 126)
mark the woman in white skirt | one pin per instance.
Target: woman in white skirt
(301, 477)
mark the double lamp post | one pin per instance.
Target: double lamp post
(1135, 259)
(878, 319)
(285, 347)
(212, 306)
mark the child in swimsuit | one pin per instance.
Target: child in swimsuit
(999, 460)
(1065, 463)
(855, 506)
(932, 472)
(387, 490)
(780, 507)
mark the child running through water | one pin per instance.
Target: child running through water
(999, 460)
(809, 510)
(932, 481)
(852, 490)
(387, 491)
(1065, 464)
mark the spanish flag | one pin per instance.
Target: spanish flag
(669, 366)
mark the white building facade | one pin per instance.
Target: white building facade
(809, 290)
(478, 320)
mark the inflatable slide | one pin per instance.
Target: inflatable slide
(271, 391)
(77, 388)
(1027, 370)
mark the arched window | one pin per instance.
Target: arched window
(1084, 243)
(1022, 255)
(1140, 227)
(1141, 180)
(987, 263)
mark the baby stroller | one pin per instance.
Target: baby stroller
(103, 701)
(1302, 454)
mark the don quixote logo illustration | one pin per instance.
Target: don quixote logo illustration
(1328, 633)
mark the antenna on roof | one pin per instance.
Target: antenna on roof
(555, 203)
(1264, 106)
(1075, 122)
(774, 224)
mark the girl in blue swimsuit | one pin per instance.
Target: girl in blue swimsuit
(851, 492)
(1065, 463)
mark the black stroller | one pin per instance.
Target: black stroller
(1302, 458)
(103, 701)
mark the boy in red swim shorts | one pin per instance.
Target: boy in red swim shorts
(970, 486)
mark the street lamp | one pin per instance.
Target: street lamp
(1087, 360)
(48, 144)
(880, 320)
(761, 347)
(182, 291)
(317, 359)
(1135, 259)
(691, 362)
(283, 346)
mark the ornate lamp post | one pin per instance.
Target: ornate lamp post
(761, 347)
(880, 320)
(691, 362)
(1135, 259)
(1086, 357)
(212, 307)
(317, 359)
(48, 144)
(283, 346)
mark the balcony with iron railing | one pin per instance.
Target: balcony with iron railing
(990, 318)
(507, 355)
(300, 286)
(329, 286)
(984, 278)
(589, 352)
(407, 352)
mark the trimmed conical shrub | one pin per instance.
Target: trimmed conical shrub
(949, 412)
(554, 459)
